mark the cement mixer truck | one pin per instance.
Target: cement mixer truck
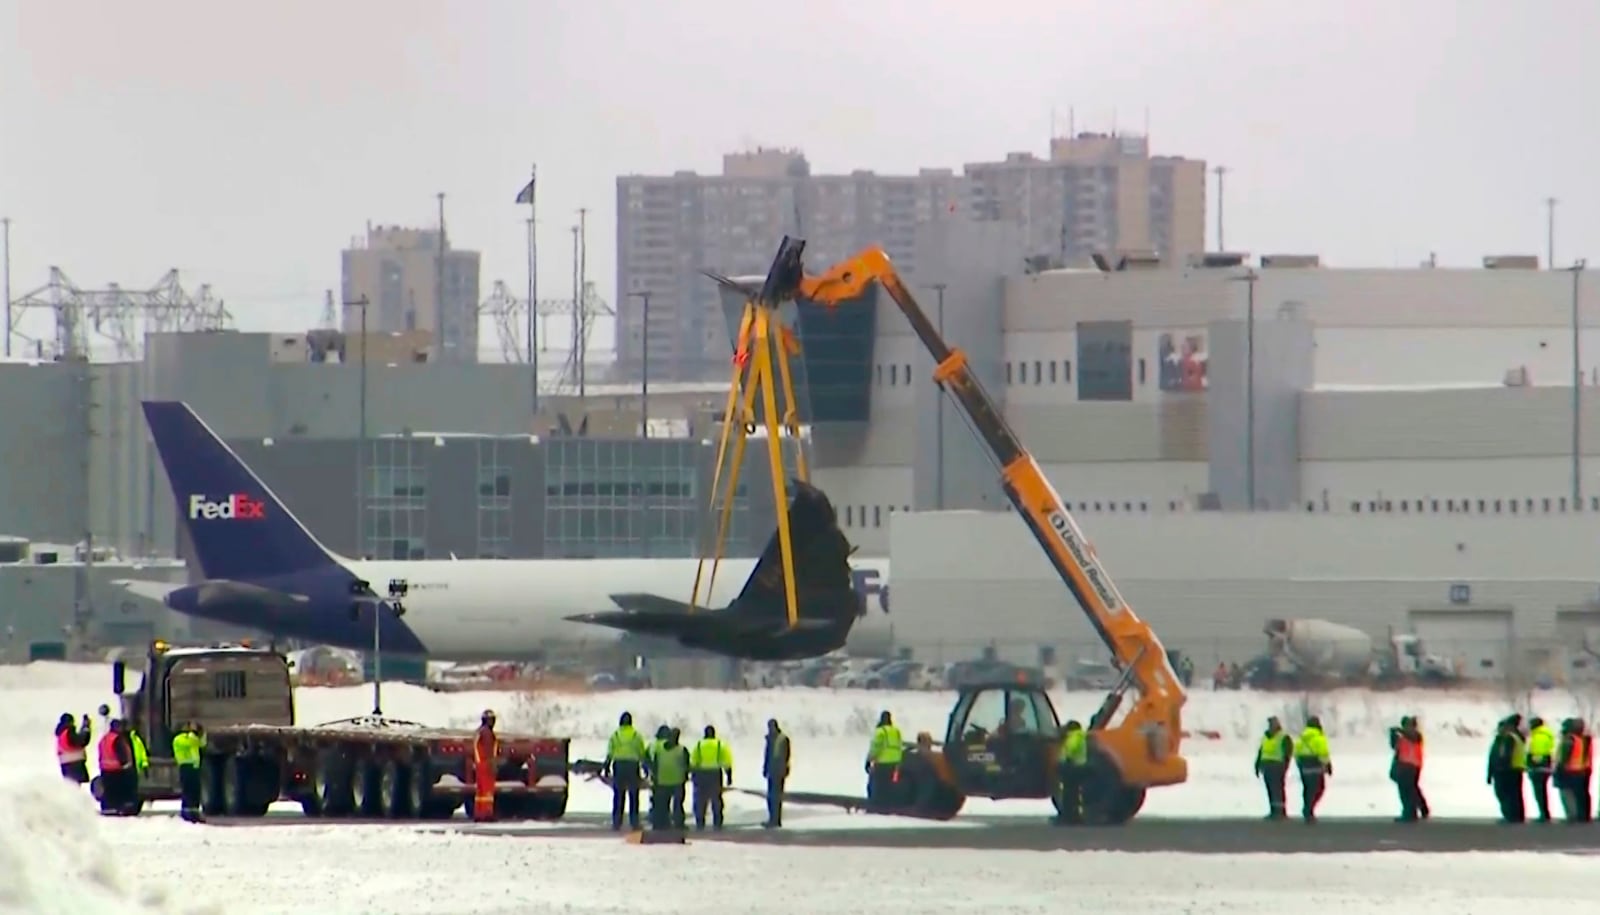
(1306, 652)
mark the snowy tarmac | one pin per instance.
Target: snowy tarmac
(1196, 848)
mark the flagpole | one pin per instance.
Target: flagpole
(533, 282)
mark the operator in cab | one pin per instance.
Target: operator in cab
(1072, 771)
(485, 762)
(188, 745)
(710, 763)
(1315, 765)
(1541, 764)
(883, 762)
(1272, 767)
(624, 760)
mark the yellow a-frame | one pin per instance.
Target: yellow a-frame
(763, 346)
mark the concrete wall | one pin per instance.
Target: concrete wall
(37, 608)
(1257, 419)
(971, 259)
(1208, 582)
(43, 438)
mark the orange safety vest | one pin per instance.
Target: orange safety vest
(1408, 751)
(66, 753)
(1578, 759)
(486, 746)
(109, 762)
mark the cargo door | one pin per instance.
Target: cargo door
(1578, 633)
(1478, 641)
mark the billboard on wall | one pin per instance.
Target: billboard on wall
(1182, 358)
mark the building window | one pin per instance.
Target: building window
(1008, 373)
(396, 522)
(494, 497)
(1038, 376)
(1052, 371)
(631, 498)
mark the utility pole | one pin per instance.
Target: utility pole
(438, 292)
(1249, 278)
(577, 310)
(1577, 390)
(368, 599)
(1221, 172)
(583, 298)
(361, 434)
(938, 415)
(644, 362)
(5, 275)
(1550, 233)
(533, 279)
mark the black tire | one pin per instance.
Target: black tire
(330, 784)
(437, 809)
(419, 788)
(548, 807)
(235, 784)
(393, 800)
(262, 780)
(364, 788)
(1107, 801)
(211, 798)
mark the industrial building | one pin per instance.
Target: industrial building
(412, 283)
(458, 462)
(1092, 193)
(1353, 410)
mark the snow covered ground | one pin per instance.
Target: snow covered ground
(56, 856)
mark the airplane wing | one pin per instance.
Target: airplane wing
(150, 590)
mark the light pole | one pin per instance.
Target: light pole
(1249, 279)
(1550, 232)
(644, 361)
(1577, 390)
(361, 433)
(1221, 172)
(5, 276)
(938, 412)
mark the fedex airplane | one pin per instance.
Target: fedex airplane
(260, 568)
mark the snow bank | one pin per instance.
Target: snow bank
(53, 860)
(50, 689)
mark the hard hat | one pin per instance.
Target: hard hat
(627, 718)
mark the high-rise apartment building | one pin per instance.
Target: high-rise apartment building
(415, 282)
(1095, 193)
(671, 227)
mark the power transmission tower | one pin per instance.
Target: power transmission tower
(113, 317)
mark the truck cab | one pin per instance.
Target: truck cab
(214, 687)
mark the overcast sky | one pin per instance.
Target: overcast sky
(246, 143)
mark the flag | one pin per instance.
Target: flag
(526, 194)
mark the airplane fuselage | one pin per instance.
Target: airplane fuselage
(473, 609)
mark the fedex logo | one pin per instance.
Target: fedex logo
(869, 589)
(237, 507)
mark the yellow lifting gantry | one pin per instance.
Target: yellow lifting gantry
(762, 349)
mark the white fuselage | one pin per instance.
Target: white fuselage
(481, 609)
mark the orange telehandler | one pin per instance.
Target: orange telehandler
(1018, 759)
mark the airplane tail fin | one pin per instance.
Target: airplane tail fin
(238, 528)
(823, 584)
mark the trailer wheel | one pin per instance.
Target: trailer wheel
(364, 788)
(235, 778)
(546, 807)
(212, 802)
(393, 801)
(331, 784)
(419, 788)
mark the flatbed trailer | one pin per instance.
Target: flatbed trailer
(369, 767)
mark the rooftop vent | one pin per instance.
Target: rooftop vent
(1269, 261)
(1511, 262)
(1214, 259)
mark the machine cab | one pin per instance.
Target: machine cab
(1002, 738)
(214, 687)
